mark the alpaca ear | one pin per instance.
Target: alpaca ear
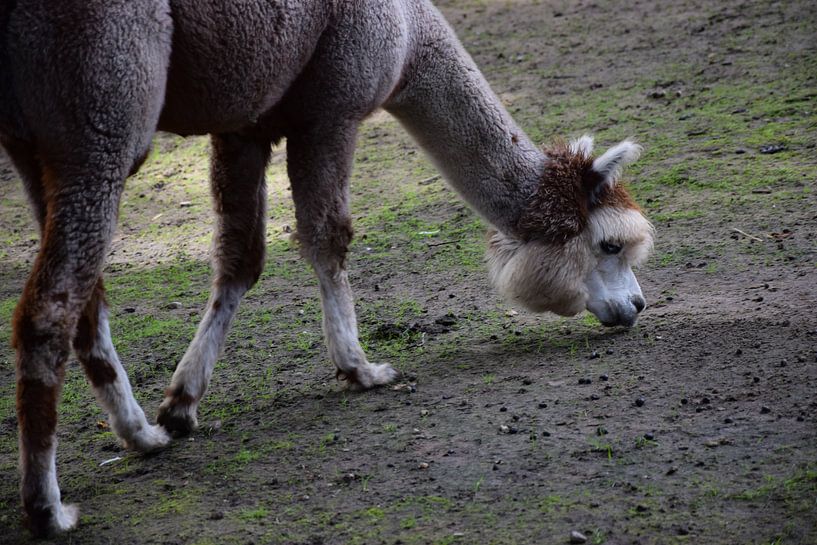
(582, 146)
(610, 165)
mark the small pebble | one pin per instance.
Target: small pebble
(609, 351)
(503, 409)
(577, 537)
(593, 355)
(543, 405)
(772, 148)
(649, 436)
(765, 410)
(639, 402)
(727, 420)
(604, 378)
(174, 305)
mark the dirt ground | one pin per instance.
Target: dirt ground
(699, 425)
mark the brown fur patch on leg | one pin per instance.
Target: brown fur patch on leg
(171, 416)
(25, 332)
(37, 411)
(180, 397)
(99, 371)
(88, 323)
(37, 422)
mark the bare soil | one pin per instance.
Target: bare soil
(699, 425)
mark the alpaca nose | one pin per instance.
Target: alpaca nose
(638, 302)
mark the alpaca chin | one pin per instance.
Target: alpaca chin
(540, 278)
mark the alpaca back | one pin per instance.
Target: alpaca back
(8, 125)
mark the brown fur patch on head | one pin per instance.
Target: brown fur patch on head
(569, 190)
(618, 197)
(559, 208)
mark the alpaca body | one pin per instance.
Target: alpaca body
(84, 86)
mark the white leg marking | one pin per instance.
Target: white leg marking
(127, 419)
(196, 367)
(340, 331)
(43, 464)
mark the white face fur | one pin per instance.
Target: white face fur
(591, 272)
(621, 239)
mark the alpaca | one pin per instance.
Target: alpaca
(84, 86)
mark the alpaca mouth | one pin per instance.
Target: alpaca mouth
(611, 315)
(628, 321)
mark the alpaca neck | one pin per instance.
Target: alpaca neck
(448, 107)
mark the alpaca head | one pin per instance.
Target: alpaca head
(577, 241)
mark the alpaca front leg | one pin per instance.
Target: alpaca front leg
(319, 164)
(239, 199)
(94, 349)
(177, 413)
(340, 330)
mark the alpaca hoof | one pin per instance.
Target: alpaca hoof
(148, 439)
(53, 520)
(369, 376)
(177, 418)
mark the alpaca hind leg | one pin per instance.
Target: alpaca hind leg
(319, 163)
(239, 195)
(94, 349)
(92, 110)
(76, 234)
(38, 387)
(92, 342)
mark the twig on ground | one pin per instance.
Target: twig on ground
(433, 244)
(747, 235)
(430, 179)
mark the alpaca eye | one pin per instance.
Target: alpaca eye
(610, 248)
